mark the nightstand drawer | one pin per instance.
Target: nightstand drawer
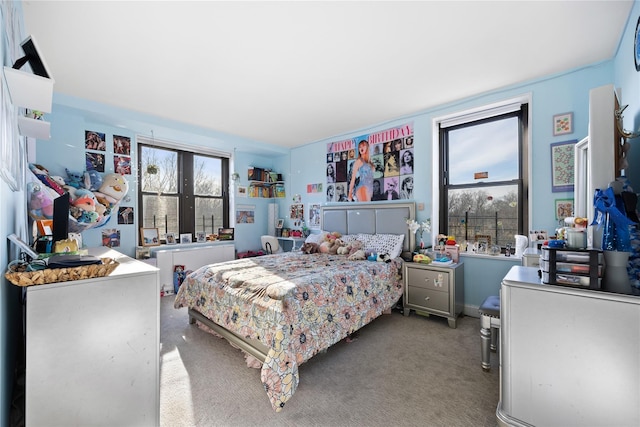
(428, 279)
(428, 299)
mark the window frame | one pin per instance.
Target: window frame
(476, 115)
(185, 192)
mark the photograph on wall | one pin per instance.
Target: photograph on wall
(122, 145)
(111, 237)
(314, 215)
(296, 211)
(245, 214)
(371, 167)
(122, 165)
(94, 141)
(95, 161)
(125, 215)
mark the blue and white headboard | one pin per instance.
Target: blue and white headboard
(370, 218)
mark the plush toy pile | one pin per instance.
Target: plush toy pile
(93, 196)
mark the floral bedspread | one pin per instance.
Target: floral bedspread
(294, 303)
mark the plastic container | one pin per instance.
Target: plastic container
(576, 238)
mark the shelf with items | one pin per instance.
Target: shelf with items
(264, 183)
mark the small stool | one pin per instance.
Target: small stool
(489, 326)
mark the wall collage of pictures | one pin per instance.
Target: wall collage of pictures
(95, 144)
(371, 167)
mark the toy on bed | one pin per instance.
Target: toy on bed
(329, 244)
(309, 248)
(92, 196)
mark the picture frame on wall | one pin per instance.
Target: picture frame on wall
(564, 208)
(562, 166)
(149, 236)
(562, 124)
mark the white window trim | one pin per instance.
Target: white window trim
(476, 113)
(174, 145)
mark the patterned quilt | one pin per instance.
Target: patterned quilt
(294, 303)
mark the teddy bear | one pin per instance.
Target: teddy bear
(350, 248)
(328, 244)
(358, 255)
(309, 248)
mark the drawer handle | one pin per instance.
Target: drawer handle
(427, 299)
(427, 280)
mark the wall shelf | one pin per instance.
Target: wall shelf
(33, 128)
(29, 90)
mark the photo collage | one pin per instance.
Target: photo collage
(371, 167)
(96, 149)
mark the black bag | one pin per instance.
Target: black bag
(68, 261)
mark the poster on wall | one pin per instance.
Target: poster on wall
(371, 167)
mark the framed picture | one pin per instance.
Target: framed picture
(538, 236)
(201, 237)
(149, 236)
(564, 208)
(170, 238)
(185, 238)
(562, 169)
(562, 124)
(241, 191)
(225, 233)
(280, 223)
(483, 241)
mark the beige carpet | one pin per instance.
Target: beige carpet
(401, 371)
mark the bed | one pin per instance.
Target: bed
(284, 308)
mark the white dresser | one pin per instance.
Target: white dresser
(568, 356)
(93, 349)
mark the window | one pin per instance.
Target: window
(483, 175)
(181, 191)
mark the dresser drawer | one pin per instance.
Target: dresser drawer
(428, 279)
(428, 298)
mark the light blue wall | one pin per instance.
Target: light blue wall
(72, 116)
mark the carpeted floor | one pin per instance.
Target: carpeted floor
(401, 371)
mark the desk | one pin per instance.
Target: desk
(294, 242)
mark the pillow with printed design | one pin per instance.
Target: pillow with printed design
(383, 243)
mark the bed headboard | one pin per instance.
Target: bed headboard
(370, 218)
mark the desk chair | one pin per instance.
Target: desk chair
(489, 327)
(270, 244)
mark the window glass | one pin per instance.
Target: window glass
(488, 149)
(207, 172)
(482, 189)
(182, 192)
(159, 170)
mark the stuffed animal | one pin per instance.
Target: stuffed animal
(328, 244)
(92, 180)
(358, 255)
(383, 258)
(74, 179)
(309, 248)
(350, 248)
(114, 187)
(340, 246)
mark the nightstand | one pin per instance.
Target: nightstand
(431, 289)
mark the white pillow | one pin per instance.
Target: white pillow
(315, 238)
(383, 243)
(348, 238)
